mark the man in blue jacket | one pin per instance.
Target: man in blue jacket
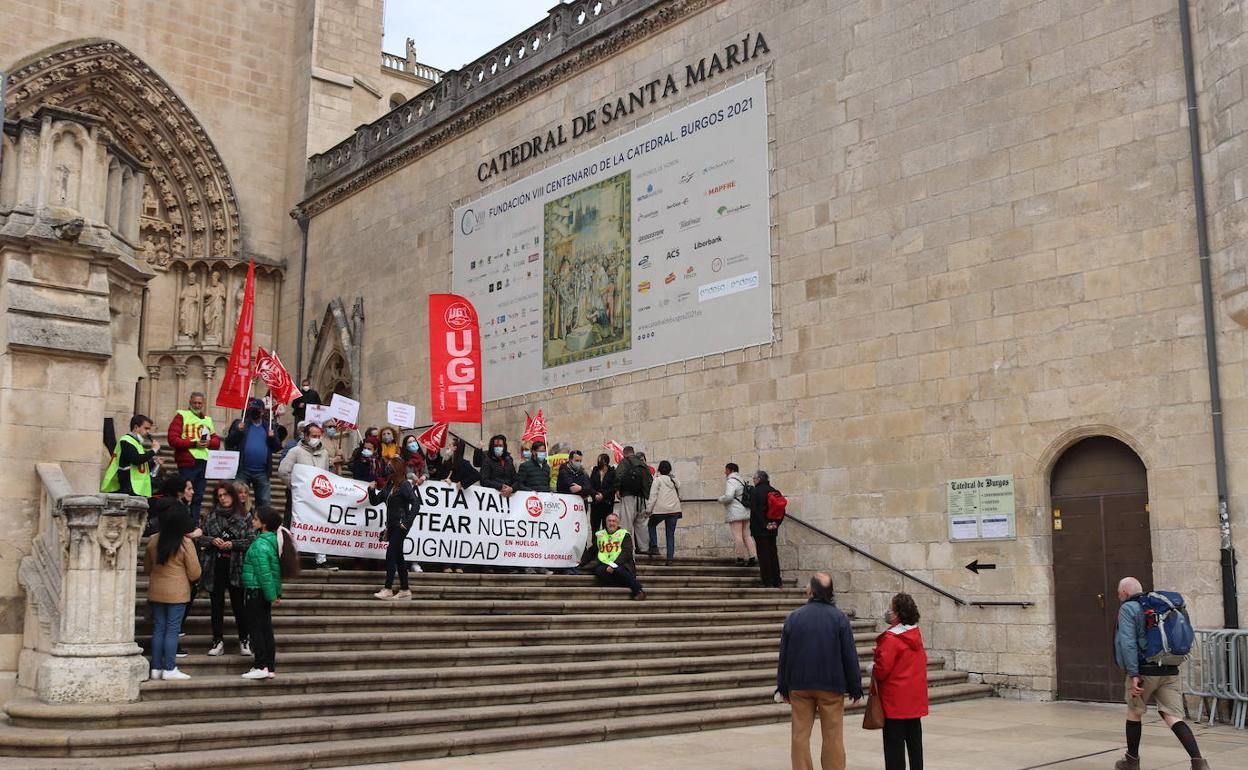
(818, 667)
(1147, 681)
(255, 441)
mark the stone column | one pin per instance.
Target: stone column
(80, 587)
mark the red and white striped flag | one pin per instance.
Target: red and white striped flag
(269, 368)
(435, 438)
(534, 427)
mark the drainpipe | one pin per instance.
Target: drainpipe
(1230, 595)
(303, 221)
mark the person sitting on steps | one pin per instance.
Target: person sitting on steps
(611, 557)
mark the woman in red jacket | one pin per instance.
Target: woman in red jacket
(900, 671)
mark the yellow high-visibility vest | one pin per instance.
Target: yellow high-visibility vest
(609, 544)
(192, 430)
(140, 475)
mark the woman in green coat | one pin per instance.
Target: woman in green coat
(262, 591)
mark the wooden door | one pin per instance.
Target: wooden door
(1099, 493)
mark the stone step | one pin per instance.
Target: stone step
(370, 577)
(339, 746)
(613, 603)
(363, 592)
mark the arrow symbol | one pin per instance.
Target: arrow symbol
(975, 566)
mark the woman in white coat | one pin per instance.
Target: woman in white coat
(664, 506)
(737, 514)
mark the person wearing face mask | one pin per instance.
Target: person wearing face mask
(437, 463)
(533, 475)
(309, 397)
(402, 505)
(498, 471)
(334, 439)
(255, 440)
(413, 454)
(573, 480)
(309, 451)
(133, 464)
(602, 480)
(366, 464)
(192, 434)
(389, 438)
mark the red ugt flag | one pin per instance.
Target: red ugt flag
(435, 438)
(534, 427)
(236, 385)
(454, 359)
(617, 451)
(269, 368)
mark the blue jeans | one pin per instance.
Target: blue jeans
(197, 474)
(166, 625)
(259, 481)
(669, 532)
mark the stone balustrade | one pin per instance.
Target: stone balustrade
(80, 596)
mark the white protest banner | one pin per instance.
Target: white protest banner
(345, 410)
(476, 525)
(221, 464)
(400, 415)
(317, 413)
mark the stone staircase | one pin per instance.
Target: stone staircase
(473, 663)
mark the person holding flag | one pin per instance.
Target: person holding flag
(133, 464)
(255, 441)
(192, 434)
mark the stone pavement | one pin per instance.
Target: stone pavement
(987, 734)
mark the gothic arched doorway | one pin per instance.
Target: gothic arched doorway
(1101, 533)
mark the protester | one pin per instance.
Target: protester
(737, 514)
(602, 481)
(134, 461)
(366, 465)
(335, 442)
(191, 434)
(309, 397)
(497, 469)
(172, 565)
(255, 441)
(633, 480)
(572, 479)
(462, 471)
(437, 463)
(1147, 681)
(764, 531)
(533, 475)
(262, 589)
(818, 667)
(309, 451)
(402, 505)
(389, 437)
(413, 455)
(611, 557)
(899, 670)
(226, 535)
(663, 507)
(243, 493)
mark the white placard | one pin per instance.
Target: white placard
(400, 415)
(332, 515)
(317, 413)
(651, 248)
(344, 410)
(222, 464)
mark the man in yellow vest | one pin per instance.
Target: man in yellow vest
(612, 557)
(132, 467)
(191, 434)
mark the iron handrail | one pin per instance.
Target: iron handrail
(893, 567)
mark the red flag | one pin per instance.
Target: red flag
(454, 359)
(270, 370)
(433, 439)
(236, 385)
(534, 427)
(617, 451)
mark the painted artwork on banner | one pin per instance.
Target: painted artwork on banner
(651, 248)
(585, 288)
(477, 525)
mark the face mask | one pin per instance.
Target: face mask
(315, 443)
(447, 454)
(412, 446)
(498, 451)
(387, 439)
(253, 415)
(331, 432)
(525, 453)
(541, 457)
(366, 453)
(576, 465)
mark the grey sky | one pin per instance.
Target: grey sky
(451, 34)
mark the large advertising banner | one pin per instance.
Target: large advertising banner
(476, 525)
(651, 248)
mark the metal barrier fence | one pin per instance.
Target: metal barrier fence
(1218, 671)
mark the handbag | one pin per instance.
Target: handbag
(873, 714)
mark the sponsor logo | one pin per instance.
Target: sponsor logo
(673, 254)
(468, 222)
(719, 188)
(677, 204)
(690, 272)
(708, 242)
(322, 487)
(651, 236)
(720, 164)
(727, 286)
(643, 287)
(650, 192)
(648, 215)
(534, 257)
(689, 224)
(737, 259)
(643, 308)
(670, 278)
(687, 178)
(459, 315)
(717, 264)
(684, 296)
(724, 211)
(644, 262)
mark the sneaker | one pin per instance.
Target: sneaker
(403, 595)
(459, 570)
(752, 562)
(384, 593)
(272, 675)
(182, 653)
(416, 568)
(257, 673)
(639, 596)
(155, 674)
(244, 648)
(175, 674)
(1127, 762)
(218, 648)
(740, 562)
(447, 570)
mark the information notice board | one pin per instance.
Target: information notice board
(981, 508)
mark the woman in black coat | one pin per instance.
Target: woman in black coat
(402, 505)
(602, 479)
(764, 530)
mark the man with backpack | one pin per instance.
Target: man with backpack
(767, 508)
(1154, 636)
(633, 479)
